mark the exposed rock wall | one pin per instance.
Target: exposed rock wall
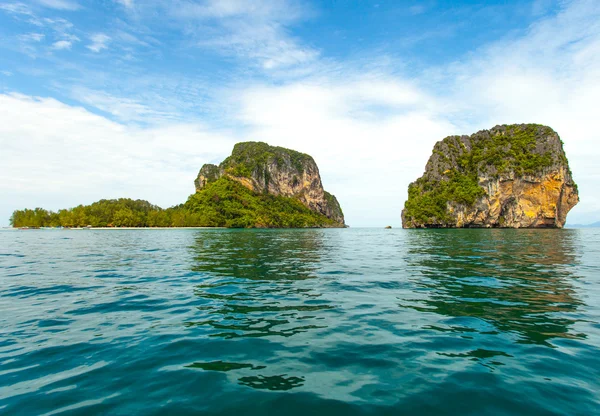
(277, 171)
(513, 176)
(208, 173)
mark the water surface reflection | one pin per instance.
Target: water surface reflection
(258, 254)
(252, 290)
(254, 322)
(519, 281)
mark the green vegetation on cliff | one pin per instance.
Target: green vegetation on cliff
(277, 171)
(250, 157)
(427, 200)
(224, 203)
(333, 202)
(453, 171)
(227, 203)
(512, 149)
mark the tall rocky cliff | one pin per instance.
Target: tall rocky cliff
(275, 171)
(512, 176)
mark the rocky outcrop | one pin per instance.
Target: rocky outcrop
(277, 171)
(512, 176)
(208, 173)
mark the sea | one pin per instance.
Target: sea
(329, 322)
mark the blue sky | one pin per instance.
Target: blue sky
(114, 98)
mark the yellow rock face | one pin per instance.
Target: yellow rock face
(523, 173)
(540, 201)
(247, 182)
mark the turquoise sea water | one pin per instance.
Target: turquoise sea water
(300, 322)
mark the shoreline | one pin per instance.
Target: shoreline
(161, 228)
(105, 228)
(147, 228)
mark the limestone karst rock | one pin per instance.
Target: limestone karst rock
(512, 176)
(275, 171)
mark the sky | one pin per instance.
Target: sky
(129, 98)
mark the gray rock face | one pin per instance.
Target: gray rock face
(277, 171)
(208, 173)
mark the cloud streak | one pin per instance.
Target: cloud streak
(99, 42)
(253, 31)
(60, 4)
(16, 8)
(62, 44)
(123, 109)
(129, 4)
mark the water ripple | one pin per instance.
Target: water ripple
(329, 322)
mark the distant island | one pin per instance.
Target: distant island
(511, 176)
(258, 186)
(592, 225)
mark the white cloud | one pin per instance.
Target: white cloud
(127, 3)
(251, 30)
(45, 28)
(370, 136)
(60, 4)
(16, 8)
(99, 42)
(128, 38)
(62, 44)
(124, 109)
(32, 37)
(6, 73)
(55, 155)
(279, 10)
(539, 7)
(28, 43)
(266, 44)
(58, 24)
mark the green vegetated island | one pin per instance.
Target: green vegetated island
(258, 186)
(511, 176)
